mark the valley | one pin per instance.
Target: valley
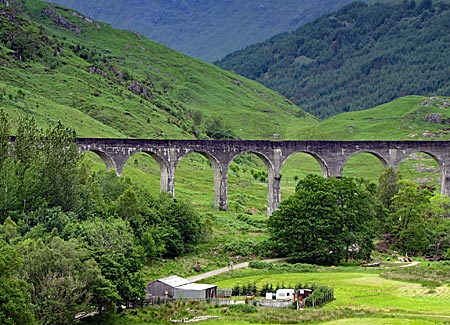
(90, 241)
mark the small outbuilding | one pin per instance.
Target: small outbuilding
(180, 288)
(285, 294)
(165, 287)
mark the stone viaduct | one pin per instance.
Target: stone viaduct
(331, 156)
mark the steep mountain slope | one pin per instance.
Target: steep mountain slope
(359, 57)
(60, 65)
(206, 29)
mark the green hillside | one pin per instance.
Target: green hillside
(206, 29)
(60, 65)
(406, 118)
(84, 80)
(356, 58)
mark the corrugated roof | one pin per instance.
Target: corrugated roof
(196, 286)
(174, 281)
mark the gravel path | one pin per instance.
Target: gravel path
(226, 269)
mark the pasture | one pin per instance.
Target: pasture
(362, 297)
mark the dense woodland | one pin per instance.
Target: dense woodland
(357, 58)
(71, 240)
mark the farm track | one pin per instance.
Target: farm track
(226, 269)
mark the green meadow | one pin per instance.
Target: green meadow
(362, 296)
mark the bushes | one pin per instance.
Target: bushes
(285, 268)
(242, 247)
(257, 221)
(320, 296)
(243, 308)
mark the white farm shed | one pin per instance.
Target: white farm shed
(195, 291)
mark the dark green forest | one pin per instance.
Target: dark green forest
(357, 58)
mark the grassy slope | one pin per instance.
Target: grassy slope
(103, 107)
(403, 118)
(97, 105)
(400, 119)
(366, 295)
(361, 297)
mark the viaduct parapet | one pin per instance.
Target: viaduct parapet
(331, 156)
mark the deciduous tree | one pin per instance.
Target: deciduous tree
(324, 220)
(15, 303)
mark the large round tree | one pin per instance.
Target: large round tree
(325, 220)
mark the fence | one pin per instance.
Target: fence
(309, 302)
(154, 301)
(314, 302)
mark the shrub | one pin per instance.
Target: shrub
(243, 308)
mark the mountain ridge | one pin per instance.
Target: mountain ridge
(206, 29)
(97, 83)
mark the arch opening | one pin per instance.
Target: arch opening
(249, 177)
(295, 168)
(194, 180)
(367, 165)
(422, 168)
(97, 160)
(145, 169)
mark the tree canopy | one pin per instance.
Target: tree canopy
(325, 221)
(73, 241)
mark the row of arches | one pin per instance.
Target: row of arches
(249, 174)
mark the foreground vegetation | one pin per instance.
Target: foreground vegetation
(73, 241)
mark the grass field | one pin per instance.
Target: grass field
(393, 302)
(362, 296)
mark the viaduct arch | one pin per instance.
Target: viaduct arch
(331, 155)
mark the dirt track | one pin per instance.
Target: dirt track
(226, 269)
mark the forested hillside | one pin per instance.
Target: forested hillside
(357, 58)
(206, 29)
(57, 64)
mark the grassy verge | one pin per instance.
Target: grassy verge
(431, 275)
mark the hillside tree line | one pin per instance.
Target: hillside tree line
(356, 58)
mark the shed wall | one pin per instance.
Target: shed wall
(159, 289)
